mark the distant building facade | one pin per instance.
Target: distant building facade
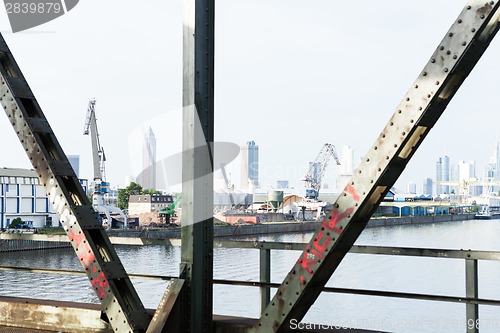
(21, 195)
(427, 186)
(148, 203)
(249, 171)
(74, 160)
(411, 188)
(346, 167)
(442, 175)
(147, 177)
(282, 184)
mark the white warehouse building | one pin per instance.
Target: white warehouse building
(21, 195)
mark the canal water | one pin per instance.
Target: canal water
(360, 271)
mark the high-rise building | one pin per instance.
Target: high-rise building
(411, 188)
(427, 186)
(282, 184)
(249, 155)
(147, 177)
(74, 160)
(442, 175)
(496, 160)
(346, 167)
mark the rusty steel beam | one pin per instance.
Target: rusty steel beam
(120, 302)
(454, 59)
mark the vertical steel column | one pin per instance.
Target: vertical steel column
(108, 278)
(265, 276)
(471, 291)
(426, 100)
(197, 165)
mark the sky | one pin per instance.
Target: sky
(290, 75)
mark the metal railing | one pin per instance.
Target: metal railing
(471, 258)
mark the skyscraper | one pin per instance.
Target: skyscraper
(147, 177)
(74, 160)
(427, 186)
(442, 174)
(346, 167)
(411, 188)
(249, 165)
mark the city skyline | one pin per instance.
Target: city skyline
(290, 114)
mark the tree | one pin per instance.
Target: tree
(149, 191)
(125, 193)
(16, 222)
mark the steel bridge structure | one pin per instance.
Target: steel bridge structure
(186, 305)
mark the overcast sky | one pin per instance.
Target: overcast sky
(290, 75)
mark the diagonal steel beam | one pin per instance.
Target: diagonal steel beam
(119, 300)
(454, 59)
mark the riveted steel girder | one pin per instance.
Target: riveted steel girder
(119, 300)
(453, 60)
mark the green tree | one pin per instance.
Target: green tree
(15, 222)
(149, 191)
(125, 193)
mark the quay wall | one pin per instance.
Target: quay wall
(288, 227)
(10, 242)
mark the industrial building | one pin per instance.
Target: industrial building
(249, 155)
(148, 203)
(23, 196)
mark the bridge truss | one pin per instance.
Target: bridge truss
(454, 58)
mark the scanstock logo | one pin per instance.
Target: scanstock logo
(26, 14)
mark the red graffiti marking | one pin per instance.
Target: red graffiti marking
(304, 262)
(323, 240)
(84, 251)
(335, 219)
(352, 191)
(100, 283)
(321, 248)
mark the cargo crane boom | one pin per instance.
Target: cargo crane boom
(317, 170)
(98, 156)
(100, 186)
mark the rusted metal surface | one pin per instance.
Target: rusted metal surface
(165, 307)
(107, 276)
(40, 315)
(453, 60)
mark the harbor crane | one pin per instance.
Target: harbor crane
(98, 157)
(317, 170)
(100, 186)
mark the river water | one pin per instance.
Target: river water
(404, 274)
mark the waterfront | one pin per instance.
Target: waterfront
(377, 272)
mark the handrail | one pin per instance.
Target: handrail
(471, 257)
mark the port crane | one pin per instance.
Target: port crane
(317, 170)
(100, 186)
